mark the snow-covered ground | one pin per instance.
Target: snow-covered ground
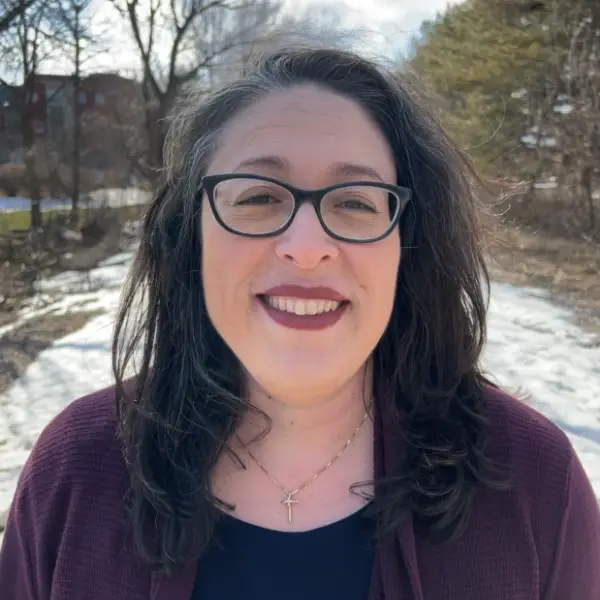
(71, 367)
(533, 346)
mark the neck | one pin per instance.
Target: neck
(302, 439)
(312, 429)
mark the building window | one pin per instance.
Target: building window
(81, 98)
(100, 98)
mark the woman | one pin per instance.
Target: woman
(309, 418)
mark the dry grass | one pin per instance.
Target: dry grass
(21, 219)
(570, 269)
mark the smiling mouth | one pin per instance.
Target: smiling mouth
(309, 314)
(301, 306)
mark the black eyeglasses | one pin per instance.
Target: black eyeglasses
(257, 206)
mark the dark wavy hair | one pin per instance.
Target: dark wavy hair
(177, 414)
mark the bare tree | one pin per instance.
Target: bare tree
(319, 24)
(267, 26)
(231, 37)
(165, 34)
(28, 41)
(580, 126)
(10, 11)
(569, 111)
(76, 38)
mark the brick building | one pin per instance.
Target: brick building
(106, 102)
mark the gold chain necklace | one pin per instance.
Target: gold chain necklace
(289, 495)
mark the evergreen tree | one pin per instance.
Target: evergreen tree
(519, 88)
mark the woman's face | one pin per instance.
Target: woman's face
(310, 138)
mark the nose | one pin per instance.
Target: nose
(305, 243)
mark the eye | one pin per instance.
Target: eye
(258, 199)
(356, 204)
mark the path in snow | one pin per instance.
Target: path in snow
(533, 346)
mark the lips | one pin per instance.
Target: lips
(298, 307)
(305, 293)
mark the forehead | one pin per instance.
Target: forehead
(309, 129)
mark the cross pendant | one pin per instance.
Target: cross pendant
(288, 502)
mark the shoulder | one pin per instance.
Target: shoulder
(77, 454)
(526, 443)
(550, 498)
(70, 509)
(85, 432)
(543, 469)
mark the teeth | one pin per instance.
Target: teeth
(302, 307)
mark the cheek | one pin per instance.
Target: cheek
(216, 277)
(376, 268)
(379, 264)
(228, 262)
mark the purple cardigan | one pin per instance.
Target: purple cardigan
(66, 535)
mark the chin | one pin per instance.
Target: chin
(302, 378)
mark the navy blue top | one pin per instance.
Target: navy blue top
(334, 561)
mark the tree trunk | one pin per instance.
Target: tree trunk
(153, 153)
(34, 190)
(27, 132)
(586, 186)
(156, 141)
(76, 178)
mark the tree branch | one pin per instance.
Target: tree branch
(180, 31)
(13, 13)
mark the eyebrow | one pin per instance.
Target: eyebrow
(342, 169)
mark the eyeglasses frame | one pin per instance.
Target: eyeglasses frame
(208, 184)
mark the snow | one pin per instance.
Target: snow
(548, 142)
(73, 366)
(546, 185)
(564, 109)
(529, 140)
(106, 197)
(533, 346)
(534, 140)
(71, 292)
